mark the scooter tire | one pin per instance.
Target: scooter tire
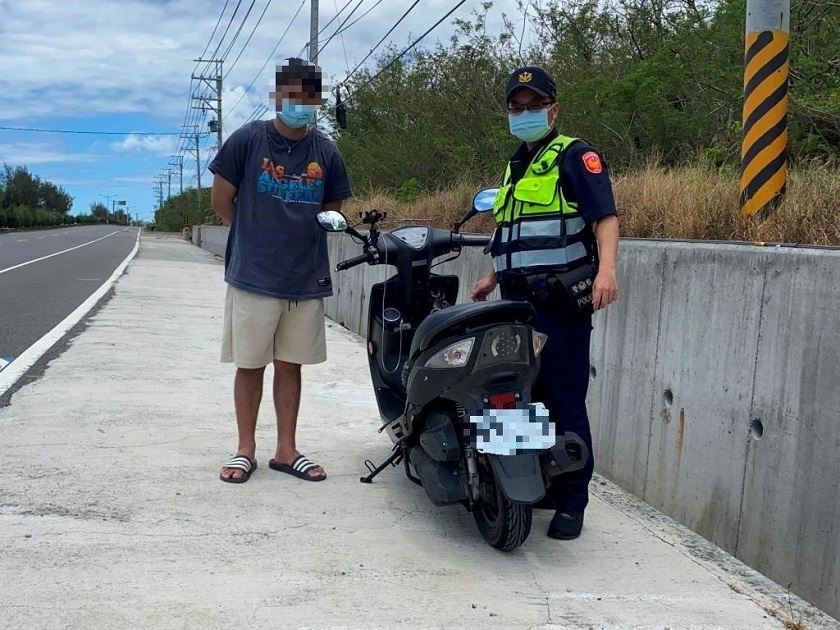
(505, 525)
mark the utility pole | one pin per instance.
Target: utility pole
(108, 198)
(169, 184)
(212, 103)
(159, 184)
(180, 164)
(313, 32)
(764, 143)
(195, 137)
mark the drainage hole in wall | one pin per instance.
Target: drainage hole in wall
(668, 398)
(593, 373)
(757, 429)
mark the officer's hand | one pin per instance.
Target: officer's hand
(605, 289)
(482, 289)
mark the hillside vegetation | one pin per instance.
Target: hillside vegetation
(656, 85)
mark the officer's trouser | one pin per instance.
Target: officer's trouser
(561, 386)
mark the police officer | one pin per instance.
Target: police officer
(555, 245)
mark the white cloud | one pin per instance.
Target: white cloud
(160, 145)
(78, 65)
(28, 154)
(137, 56)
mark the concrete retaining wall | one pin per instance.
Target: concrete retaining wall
(715, 394)
(213, 238)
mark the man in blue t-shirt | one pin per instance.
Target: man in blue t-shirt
(271, 179)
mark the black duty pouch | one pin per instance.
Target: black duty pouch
(568, 293)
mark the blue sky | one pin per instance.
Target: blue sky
(126, 67)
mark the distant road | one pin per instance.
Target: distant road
(46, 275)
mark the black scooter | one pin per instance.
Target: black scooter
(453, 381)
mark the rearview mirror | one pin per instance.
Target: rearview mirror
(484, 199)
(332, 221)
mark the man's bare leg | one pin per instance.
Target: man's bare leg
(247, 395)
(287, 386)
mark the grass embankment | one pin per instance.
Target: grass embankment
(654, 202)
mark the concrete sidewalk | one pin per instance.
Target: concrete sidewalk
(112, 514)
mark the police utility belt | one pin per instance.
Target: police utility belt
(542, 246)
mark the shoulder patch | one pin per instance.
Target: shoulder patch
(592, 162)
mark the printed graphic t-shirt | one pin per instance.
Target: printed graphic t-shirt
(275, 245)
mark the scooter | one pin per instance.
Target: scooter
(453, 381)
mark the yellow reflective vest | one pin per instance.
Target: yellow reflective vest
(538, 229)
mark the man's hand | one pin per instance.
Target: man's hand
(221, 199)
(605, 290)
(484, 287)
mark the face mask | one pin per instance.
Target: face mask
(297, 115)
(529, 126)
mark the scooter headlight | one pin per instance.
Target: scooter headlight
(455, 356)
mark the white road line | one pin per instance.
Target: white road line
(17, 368)
(63, 251)
(22, 240)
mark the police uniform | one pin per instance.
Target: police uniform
(544, 251)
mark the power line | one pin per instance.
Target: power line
(230, 67)
(238, 31)
(327, 25)
(215, 28)
(95, 133)
(343, 44)
(250, 85)
(399, 56)
(412, 45)
(321, 49)
(230, 21)
(416, 2)
(360, 18)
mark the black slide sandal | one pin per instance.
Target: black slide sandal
(299, 468)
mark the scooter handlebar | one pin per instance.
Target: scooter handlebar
(472, 240)
(352, 262)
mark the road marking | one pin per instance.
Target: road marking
(40, 237)
(64, 251)
(22, 240)
(17, 368)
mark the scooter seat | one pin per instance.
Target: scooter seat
(455, 319)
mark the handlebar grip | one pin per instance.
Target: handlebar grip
(474, 240)
(352, 262)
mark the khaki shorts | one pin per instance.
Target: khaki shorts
(259, 329)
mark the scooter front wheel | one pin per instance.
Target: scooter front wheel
(503, 523)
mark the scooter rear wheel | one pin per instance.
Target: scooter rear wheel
(502, 523)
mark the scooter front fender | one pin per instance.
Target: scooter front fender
(519, 476)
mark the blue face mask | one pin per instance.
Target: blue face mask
(529, 126)
(297, 115)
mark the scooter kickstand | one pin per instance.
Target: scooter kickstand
(393, 460)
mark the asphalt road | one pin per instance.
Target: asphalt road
(46, 275)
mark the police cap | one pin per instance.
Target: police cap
(534, 78)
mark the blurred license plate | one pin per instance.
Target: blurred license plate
(509, 431)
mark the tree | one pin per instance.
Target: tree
(28, 201)
(99, 210)
(182, 210)
(640, 79)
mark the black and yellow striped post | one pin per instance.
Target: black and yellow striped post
(764, 145)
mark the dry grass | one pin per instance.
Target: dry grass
(654, 202)
(440, 210)
(699, 203)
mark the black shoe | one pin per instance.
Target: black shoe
(566, 525)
